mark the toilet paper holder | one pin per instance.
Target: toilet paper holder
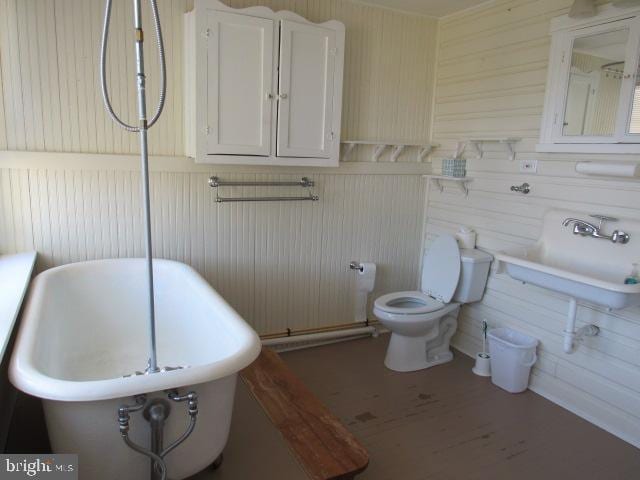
(356, 266)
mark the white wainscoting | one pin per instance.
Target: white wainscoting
(281, 265)
(490, 82)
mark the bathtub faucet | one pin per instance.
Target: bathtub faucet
(191, 398)
(125, 410)
(156, 412)
(123, 420)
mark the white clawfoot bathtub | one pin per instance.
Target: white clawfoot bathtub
(85, 327)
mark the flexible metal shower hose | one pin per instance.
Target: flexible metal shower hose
(159, 467)
(103, 69)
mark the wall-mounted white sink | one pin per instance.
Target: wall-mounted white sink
(586, 268)
(583, 267)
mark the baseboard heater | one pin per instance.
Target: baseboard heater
(291, 340)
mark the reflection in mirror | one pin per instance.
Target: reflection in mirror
(634, 119)
(595, 79)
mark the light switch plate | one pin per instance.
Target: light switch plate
(529, 166)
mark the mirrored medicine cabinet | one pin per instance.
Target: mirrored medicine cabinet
(592, 98)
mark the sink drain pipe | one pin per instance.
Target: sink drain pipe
(573, 337)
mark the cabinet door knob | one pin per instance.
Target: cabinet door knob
(270, 95)
(283, 96)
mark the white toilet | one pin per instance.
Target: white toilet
(422, 323)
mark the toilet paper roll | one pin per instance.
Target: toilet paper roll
(366, 278)
(364, 284)
(360, 307)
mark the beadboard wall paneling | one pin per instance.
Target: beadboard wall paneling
(49, 79)
(490, 81)
(281, 265)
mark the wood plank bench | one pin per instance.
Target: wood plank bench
(320, 442)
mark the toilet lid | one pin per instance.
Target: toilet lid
(441, 268)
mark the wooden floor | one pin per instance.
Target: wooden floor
(441, 423)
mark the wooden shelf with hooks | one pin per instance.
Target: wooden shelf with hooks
(424, 149)
(508, 142)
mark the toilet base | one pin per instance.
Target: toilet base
(404, 361)
(408, 354)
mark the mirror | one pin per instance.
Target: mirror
(595, 81)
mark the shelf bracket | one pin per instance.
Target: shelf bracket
(348, 151)
(461, 184)
(397, 151)
(478, 146)
(424, 152)
(511, 150)
(377, 152)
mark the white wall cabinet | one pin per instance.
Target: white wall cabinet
(262, 88)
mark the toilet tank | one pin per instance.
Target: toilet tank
(474, 272)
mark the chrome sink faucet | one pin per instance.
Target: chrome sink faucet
(586, 229)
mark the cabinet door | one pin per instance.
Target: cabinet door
(239, 84)
(306, 88)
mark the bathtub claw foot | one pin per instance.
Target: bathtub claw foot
(217, 463)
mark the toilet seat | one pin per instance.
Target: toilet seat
(408, 303)
(440, 275)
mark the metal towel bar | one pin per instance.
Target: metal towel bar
(214, 182)
(313, 198)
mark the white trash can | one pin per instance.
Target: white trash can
(512, 356)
